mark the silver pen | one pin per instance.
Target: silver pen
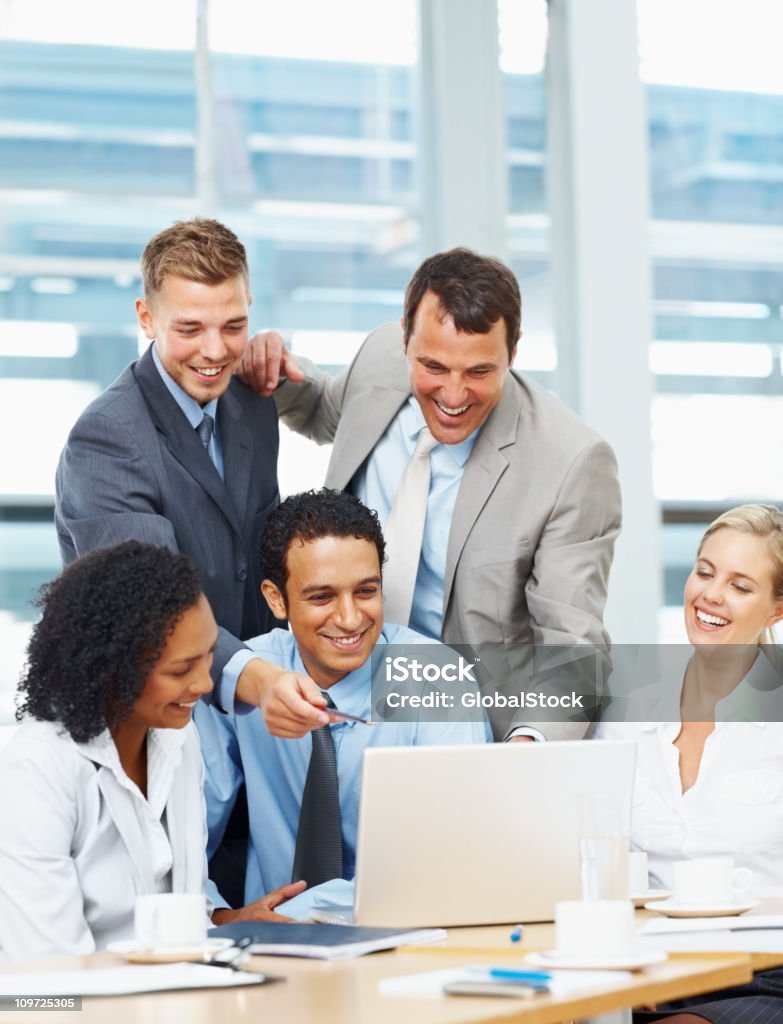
(351, 718)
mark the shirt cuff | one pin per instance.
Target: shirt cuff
(524, 730)
(214, 897)
(227, 687)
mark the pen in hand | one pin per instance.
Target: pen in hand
(337, 713)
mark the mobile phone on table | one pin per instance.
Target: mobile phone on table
(492, 987)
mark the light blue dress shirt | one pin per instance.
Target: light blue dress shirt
(239, 748)
(193, 411)
(376, 484)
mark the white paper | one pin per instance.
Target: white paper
(430, 984)
(679, 925)
(124, 980)
(716, 941)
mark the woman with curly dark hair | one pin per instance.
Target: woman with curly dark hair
(102, 796)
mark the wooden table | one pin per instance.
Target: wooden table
(346, 992)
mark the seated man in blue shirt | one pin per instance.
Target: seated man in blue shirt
(322, 552)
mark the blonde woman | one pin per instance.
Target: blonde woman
(710, 780)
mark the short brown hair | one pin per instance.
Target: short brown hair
(200, 249)
(475, 291)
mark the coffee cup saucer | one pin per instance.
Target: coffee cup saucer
(140, 953)
(672, 908)
(640, 898)
(635, 960)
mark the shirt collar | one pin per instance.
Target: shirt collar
(752, 700)
(412, 420)
(102, 751)
(193, 411)
(746, 703)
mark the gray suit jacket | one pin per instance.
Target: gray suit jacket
(536, 517)
(133, 467)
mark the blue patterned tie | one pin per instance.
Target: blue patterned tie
(205, 429)
(319, 838)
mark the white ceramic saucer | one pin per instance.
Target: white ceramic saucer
(140, 954)
(641, 898)
(673, 909)
(634, 961)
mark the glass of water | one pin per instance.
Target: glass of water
(603, 848)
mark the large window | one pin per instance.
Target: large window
(715, 112)
(312, 162)
(115, 122)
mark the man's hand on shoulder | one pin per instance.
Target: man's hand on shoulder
(263, 909)
(265, 361)
(292, 705)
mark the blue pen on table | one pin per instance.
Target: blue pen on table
(517, 933)
(509, 974)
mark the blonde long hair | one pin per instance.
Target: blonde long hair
(765, 521)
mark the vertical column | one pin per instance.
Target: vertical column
(205, 148)
(461, 127)
(597, 166)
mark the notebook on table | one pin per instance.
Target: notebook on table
(320, 941)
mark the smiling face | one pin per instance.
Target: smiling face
(729, 594)
(200, 331)
(457, 378)
(333, 604)
(180, 676)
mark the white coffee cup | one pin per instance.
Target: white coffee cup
(171, 920)
(594, 929)
(709, 881)
(638, 882)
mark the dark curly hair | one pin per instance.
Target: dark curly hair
(105, 621)
(308, 516)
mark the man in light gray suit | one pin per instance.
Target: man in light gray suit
(524, 501)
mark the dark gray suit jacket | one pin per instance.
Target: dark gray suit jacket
(134, 468)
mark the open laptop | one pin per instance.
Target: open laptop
(478, 835)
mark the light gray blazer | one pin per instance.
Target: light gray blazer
(536, 517)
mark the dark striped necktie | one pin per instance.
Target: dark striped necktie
(319, 838)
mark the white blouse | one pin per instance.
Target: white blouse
(736, 804)
(79, 841)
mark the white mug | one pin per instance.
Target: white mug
(638, 882)
(594, 929)
(709, 880)
(170, 920)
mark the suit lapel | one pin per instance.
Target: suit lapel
(180, 438)
(362, 425)
(484, 468)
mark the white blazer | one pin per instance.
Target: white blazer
(736, 804)
(79, 842)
